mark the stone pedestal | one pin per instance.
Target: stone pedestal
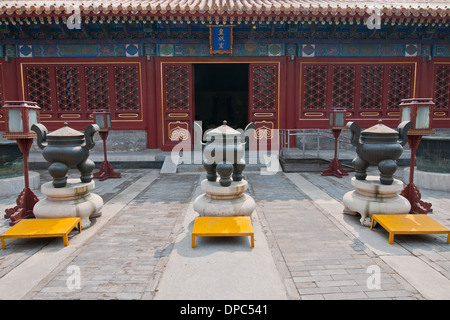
(73, 200)
(429, 180)
(220, 201)
(372, 197)
(13, 186)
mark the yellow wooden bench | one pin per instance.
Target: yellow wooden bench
(223, 226)
(42, 228)
(409, 224)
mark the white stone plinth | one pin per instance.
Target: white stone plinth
(219, 201)
(372, 197)
(73, 200)
(429, 180)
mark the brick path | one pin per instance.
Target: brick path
(127, 258)
(318, 252)
(322, 261)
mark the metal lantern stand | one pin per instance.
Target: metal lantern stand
(419, 111)
(337, 124)
(21, 115)
(103, 120)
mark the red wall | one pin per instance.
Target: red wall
(291, 112)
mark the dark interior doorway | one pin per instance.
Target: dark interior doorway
(221, 93)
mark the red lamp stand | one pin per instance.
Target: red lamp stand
(335, 167)
(106, 169)
(410, 191)
(420, 112)
(27, 198)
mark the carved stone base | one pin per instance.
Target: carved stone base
(74, 200)
(372, 197)
(220, 201)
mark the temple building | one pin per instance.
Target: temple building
(160, 65)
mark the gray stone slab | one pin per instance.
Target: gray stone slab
(221, 267)
(169, 166)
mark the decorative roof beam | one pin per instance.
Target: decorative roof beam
(353, 30)
(11, 31)
(168, 29)
(25, 30)
(332, 30)
(428, 32)
(313, 32)
(391, 30)
(106, 30)
(65, 31)
(45, 29)
(413, 31)
(126, 28)
(85, 30)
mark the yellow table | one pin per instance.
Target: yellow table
(42, 228)
(222, 226)
(409, 224)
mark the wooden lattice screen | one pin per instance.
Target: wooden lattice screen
(442, 88)
(2, 96)
(264, 99)
(71, 92)
(364, 90)
(177, 102)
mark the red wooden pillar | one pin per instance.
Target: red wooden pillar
(424, 84)
(291, 105)
(150, 104)
(10, 80)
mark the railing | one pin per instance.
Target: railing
(286, 134)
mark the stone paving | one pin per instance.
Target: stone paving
(318, 252)
(322, 261)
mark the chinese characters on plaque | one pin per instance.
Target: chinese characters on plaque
(221, 39)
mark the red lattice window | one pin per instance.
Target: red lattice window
(264, 87)
(315, 87)
(442, 87)
(343, 86)
(399, 85)
(1, 94)
(178, 84)
(1, 86)
(68, 88)
(371, 87)
(127, 88)
(38, 86)
(97, 92)
(73, 91)
(366, 91)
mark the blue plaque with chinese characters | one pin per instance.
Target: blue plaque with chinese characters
(221, 39)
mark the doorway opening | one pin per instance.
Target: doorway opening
(221, 93)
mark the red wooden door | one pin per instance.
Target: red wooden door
(178, 102)
(264, 101)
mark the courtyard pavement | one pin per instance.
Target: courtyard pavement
(305, 247)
